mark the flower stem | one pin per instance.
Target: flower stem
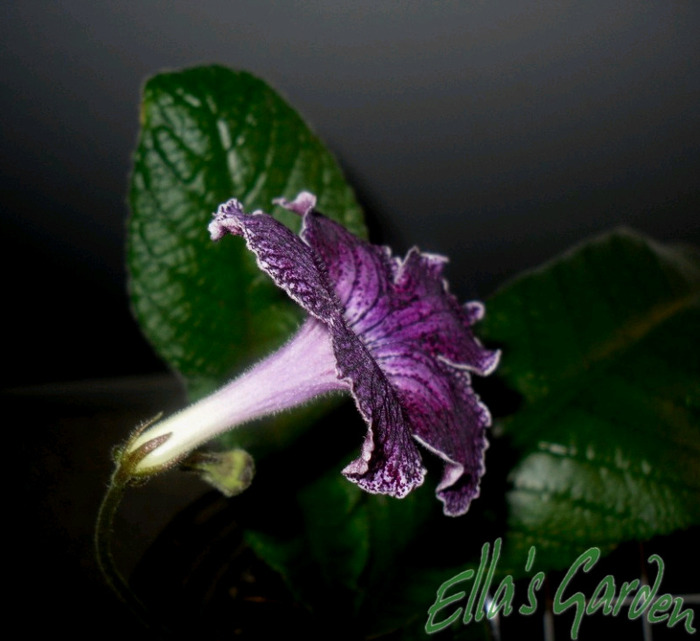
(122, 477)
(104, 534)
(104, 531)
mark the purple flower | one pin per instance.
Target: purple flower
(386, 330)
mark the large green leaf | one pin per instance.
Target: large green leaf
(209, 134)
(603, 346)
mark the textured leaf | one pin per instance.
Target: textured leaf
(603, 346)
(209, 134)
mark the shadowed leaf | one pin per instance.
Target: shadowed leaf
(602, 344)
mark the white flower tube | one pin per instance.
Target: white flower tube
(300, 370)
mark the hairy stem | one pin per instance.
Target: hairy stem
(104, 535)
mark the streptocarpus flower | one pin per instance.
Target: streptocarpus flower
(384, 329)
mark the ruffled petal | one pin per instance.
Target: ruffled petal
(401, 341)
(421, 338)
(282, 255)
(359, 272)
(390, 462)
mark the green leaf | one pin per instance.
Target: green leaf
(337, 530)
(349, 546)
(209, 134)
(603, 346)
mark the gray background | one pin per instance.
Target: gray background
(498, 133)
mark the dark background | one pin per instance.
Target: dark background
(496, 132)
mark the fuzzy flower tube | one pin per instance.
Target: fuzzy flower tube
(384, 329)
